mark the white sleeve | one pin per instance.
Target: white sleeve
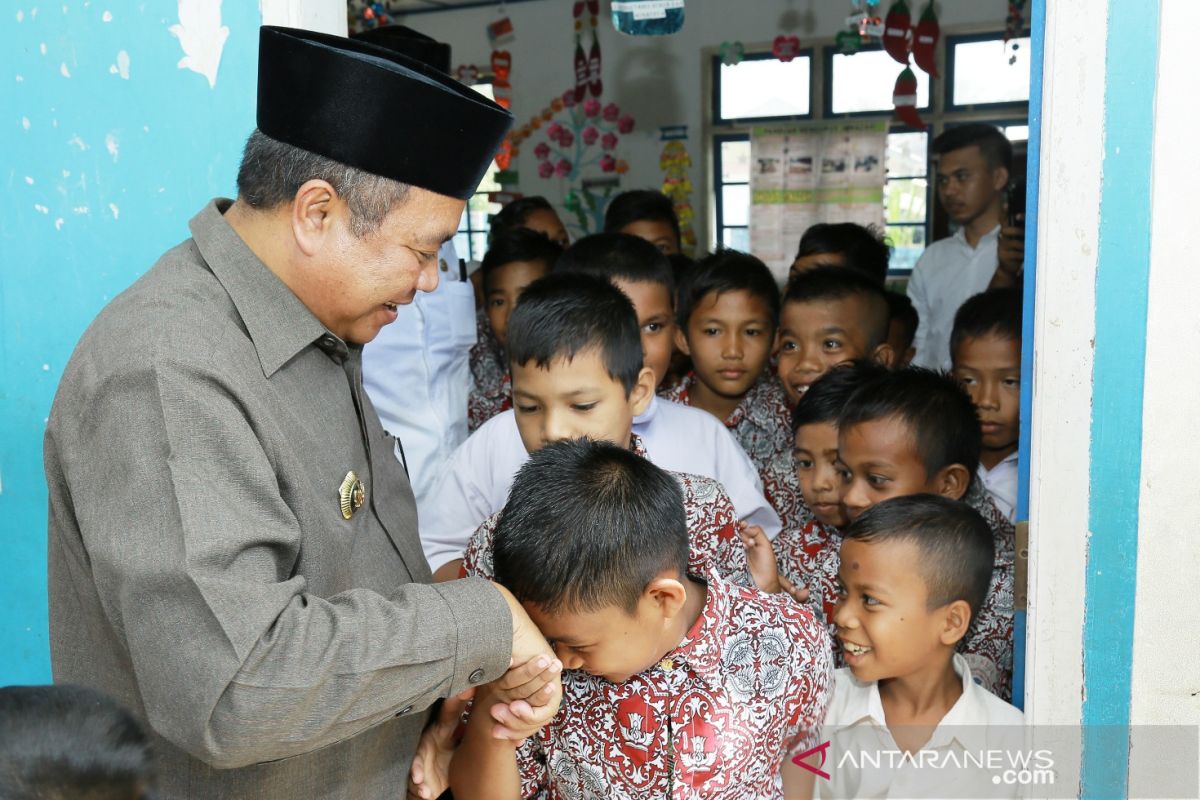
(918, 294)
(736, 472)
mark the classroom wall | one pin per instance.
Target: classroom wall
(659, 80)
(118, 121)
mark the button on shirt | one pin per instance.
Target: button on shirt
(1001, 483)
(978, 724)
(948, 273)
(748, 684)
(475, 483)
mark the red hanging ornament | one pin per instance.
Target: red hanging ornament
(925, 39)
(897, 37)
(596, 83)
(904, 97)
(581, 70)
(785, 48)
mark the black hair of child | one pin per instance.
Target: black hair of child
(637, 205)
(680, 265)
(996, 312)
(953, 541)
(515, 214)
(518, 244)
(70, 742)
(937, 411)
(901, 308)
(589, 525)
(991, 141)
(564, 314)
(838, 283)
(828, 394)
(864, 248)
(618, 256)
(726, 271)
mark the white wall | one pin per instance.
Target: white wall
(658, 80)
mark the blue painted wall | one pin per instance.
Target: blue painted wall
(101, 173)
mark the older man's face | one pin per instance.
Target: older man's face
(362, 280)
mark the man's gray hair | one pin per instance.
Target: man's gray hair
(272, 172)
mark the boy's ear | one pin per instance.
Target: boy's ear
(884, 355)
(952, 481)
(667, 593)
(681, 342)
(955, 621)
(642, 392)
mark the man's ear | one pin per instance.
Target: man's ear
(681, 342)
(668, 594)
(955, 621)
(642, 392)
(312, 214)
(999, 178)
(884, 355)
(952, 481)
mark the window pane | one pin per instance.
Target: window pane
(1017, 133)
(735, 161)
(905, 200)
(462, 246)
(982, 73)
(478, 246)
(908, 242)
(765, 88)
(864, 82)
(737, 238)
(735, 209)
(907, 154)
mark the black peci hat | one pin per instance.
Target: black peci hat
(371, 108)
(408, 42)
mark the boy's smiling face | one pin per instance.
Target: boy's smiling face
(504, 286)
(570, 399)
(989, 368)
(814, 337)
(879, 459)
(729, 339)
(817, 469)
(656, 319)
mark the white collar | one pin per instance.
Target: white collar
(961, 235)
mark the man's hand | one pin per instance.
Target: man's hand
(1010, 257)
(430, 773)
(528, 642)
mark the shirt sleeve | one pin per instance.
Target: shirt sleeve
(533, 767)
(194, 552)
(461, 499)
(918, 294)
(741, 480)
(812, 681)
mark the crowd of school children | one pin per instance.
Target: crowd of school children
(747, 524)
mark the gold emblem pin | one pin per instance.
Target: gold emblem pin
(352, 494)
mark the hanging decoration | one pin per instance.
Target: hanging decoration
(1014, 26)
(587, 64)
(925, 39)
(647, 17)
(786, 48)
(864, 26)
(367, 15)
(675, 162)
(501, 69)
(732, 53)
(897, 36)
(904, 97)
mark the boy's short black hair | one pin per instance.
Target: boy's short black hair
(564, 314)
(70, 742)
(996, 312)
(864, 248)
(726, 271)
(938, 412)
(901, 309)
(828, 394)
(838, 283)
(618, 255)
(953, 541)
(991, 141)
(518, 244)
(514, 214)
(588, 525)
(640, 204)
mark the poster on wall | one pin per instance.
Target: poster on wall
(801, 175)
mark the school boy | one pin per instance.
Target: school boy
(915, 431)
(648, 215)
(516, 258)
(914, 574)
(727, 309)
(902, 328)
(577, 368)
(986, 352)
(676, 683)
(843, 244)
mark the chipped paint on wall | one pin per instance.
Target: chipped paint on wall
(202, 37)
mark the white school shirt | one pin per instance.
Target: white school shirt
(417, 376)
(676, 437)
(1001, 483)
(947, 274)
(976, 727)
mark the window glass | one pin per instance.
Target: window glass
(864, 82)
(983, 74)
(765, 88)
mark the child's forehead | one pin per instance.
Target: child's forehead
(742, 302)
(884, 563)
(893, 433)
(645, 291)
(817, 433)
(807, 312)
(990, 343)
(583, 366)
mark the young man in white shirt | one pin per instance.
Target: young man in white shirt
(914, 572)
(974, 166)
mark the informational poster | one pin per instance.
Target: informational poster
(801, 175)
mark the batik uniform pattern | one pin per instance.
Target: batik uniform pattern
(491, 383)
(749, 684)
(712, 530)
(781, 487)
(988, 645)
(805, 555)
(762, 423)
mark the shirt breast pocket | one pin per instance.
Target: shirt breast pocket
(460, 298)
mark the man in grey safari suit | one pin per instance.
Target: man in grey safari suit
(233, 542)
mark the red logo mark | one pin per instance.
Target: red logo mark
(798, 760)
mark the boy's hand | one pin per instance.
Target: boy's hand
(799, 594)
(430, 773)
(763, 567)
(518, 720)
(534, 681)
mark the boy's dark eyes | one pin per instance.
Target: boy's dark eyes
(831, 344)
(804, 463)
(525, 409)
(868, 600)
(1012, 381)
(583, 406)
(878, 480)
(710, 331)
(652, 327)
(788, 345)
